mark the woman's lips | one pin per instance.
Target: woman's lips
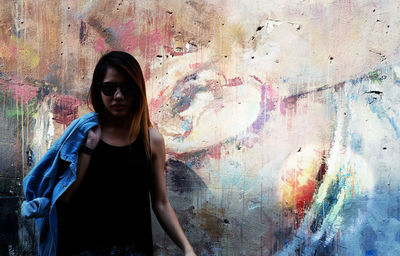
(118, 106)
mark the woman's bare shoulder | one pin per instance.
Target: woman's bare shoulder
(156, 138)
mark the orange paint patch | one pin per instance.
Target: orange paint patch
(300, 178)
(298, 190)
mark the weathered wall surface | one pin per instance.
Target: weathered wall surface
(281, 118)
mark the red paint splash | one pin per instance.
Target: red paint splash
(147, 71)
(215, 151)
(148, 39)
(126, 34)
(234, 81)
(257, 79)
(289, 103)
(65, 109)
(304, 196)
(150, 43)
(159, 101)
(301, 194)
(214, 84)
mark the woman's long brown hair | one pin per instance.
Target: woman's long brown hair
(130, 68)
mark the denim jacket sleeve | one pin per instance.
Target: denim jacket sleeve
(39, 184)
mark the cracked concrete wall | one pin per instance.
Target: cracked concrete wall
(281, 118)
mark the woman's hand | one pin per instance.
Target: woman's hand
(93, 137)
(190, 253)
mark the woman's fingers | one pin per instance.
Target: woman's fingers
(93, 137)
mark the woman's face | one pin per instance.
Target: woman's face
(117, 104)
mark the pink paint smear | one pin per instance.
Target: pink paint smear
(99, 44)
(19, 91)
(156, 103)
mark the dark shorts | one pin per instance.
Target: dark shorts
(128, 250)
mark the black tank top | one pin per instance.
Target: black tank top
(111, 207)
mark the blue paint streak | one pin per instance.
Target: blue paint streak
(391, 121)
(187, 126)
(378, 109)
(356, 143)
(329, 202)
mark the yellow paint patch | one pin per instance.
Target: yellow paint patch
(30, 57)
(15, 50)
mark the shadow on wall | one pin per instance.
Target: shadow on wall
(13, 240)
(192, 201)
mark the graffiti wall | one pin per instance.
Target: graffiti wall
(281, 118)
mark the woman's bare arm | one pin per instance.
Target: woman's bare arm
(161, 206)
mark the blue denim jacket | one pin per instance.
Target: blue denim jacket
(45, 183)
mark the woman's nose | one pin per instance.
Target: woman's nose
(118, 94)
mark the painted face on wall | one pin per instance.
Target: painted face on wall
(202, 104)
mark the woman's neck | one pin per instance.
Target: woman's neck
(115, 131)
(111, 122)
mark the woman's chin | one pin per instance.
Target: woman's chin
(118, 113)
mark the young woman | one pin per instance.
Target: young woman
(115, 160)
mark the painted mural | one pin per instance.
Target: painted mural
(281, 118)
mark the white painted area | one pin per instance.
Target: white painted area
(233, 112)
(396, 70)
(44, 130)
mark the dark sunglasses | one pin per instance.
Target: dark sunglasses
(109, 88)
